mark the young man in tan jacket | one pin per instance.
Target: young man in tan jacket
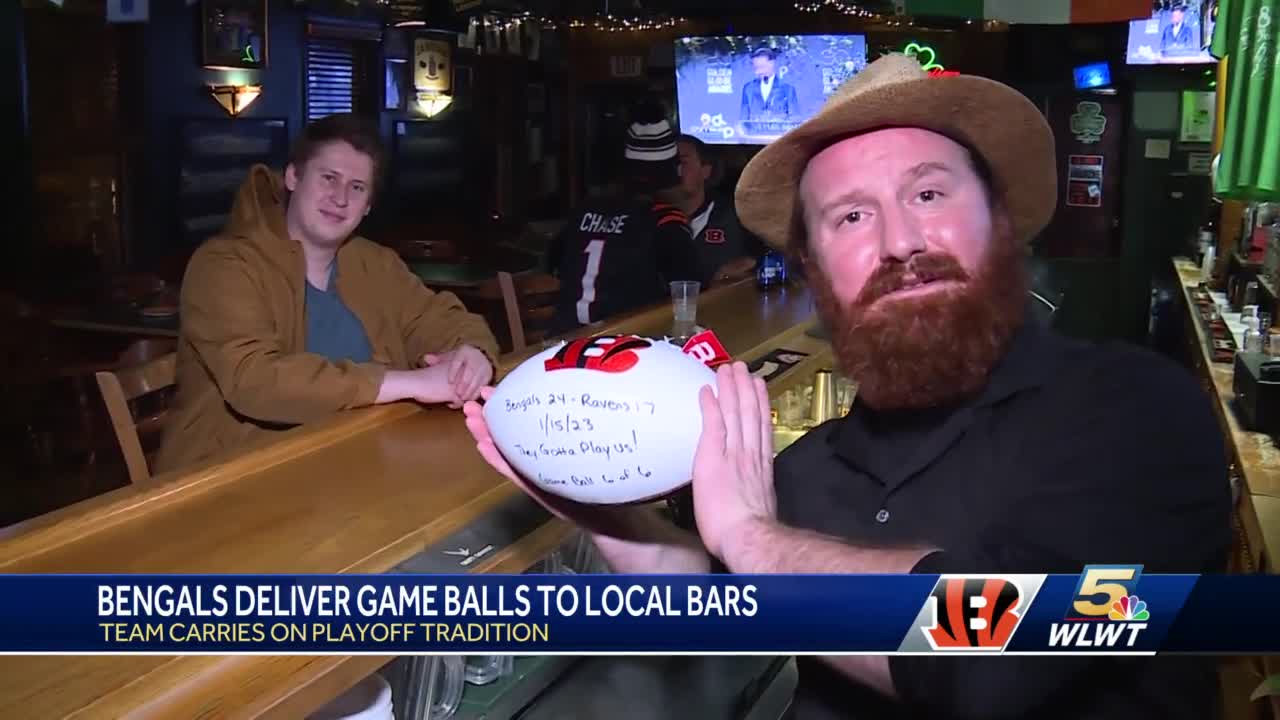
(287, 317)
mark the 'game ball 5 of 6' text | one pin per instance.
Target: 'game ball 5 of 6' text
(605, 419)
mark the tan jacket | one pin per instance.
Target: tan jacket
(243, 372)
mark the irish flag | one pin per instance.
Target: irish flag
(1044, 12)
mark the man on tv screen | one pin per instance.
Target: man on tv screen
(768, 97)
(1177, 37)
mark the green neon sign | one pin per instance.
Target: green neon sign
(928, 59)
(919, 52)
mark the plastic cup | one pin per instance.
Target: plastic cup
(684, 307)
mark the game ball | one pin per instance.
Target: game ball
(602, 420)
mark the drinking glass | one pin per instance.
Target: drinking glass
(684, 307)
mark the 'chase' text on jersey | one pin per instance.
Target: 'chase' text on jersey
(607, 224)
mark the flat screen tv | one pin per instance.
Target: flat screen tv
(1178, 32)
(1095, 75)
(750, 90)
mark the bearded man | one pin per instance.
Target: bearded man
(978, 442)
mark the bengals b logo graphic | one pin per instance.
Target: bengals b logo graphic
(607, 353)
(974, 613)
(715, 236)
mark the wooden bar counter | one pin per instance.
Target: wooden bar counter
(1254, 457)
(1255, 476)
(361, 493)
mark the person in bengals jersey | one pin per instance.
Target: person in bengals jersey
(616, 254)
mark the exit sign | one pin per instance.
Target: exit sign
(626, 66)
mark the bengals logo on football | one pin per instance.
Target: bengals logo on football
(607, 353)
(974, 613)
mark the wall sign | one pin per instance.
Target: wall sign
(1089, 122)
(1084, 180)
(626, 66)
(1199, 164)
(1198, 114)
(1157, 149)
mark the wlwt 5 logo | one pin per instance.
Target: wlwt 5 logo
(1105, 611)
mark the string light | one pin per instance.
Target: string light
(609, 23)
(603, 23)
(504, 25)
(839, 6)
(855, 11)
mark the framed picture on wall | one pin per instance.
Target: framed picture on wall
(234, 34)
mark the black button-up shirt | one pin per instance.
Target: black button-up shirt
(1073, 454)
(718, 237)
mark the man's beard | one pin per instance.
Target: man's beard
(922, 352)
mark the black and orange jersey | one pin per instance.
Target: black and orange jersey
(616, 256)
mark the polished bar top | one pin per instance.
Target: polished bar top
(1257, 459)
(359, 493)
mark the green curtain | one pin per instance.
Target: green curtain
(1248, 34)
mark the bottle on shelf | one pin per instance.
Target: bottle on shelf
(1207, 264)
(1207, 234)
(1252, 337)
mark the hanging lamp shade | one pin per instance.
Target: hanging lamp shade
(235, 98)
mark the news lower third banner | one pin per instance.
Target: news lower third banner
(1107, 609)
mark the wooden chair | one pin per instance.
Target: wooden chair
(530, 305)
(123, 388)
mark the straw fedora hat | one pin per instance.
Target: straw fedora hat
(993, 119)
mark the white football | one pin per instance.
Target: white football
(603, 420)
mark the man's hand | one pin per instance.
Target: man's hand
(733, 465)
(632, 539)
(468, 370)
(426, 385)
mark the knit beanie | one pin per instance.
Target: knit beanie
(651, 142)
(650, 151)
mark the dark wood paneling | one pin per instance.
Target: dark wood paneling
(18, 143)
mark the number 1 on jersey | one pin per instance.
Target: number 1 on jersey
(594, 252)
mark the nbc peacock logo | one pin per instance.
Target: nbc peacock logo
(1105, 612)
(1130, 608)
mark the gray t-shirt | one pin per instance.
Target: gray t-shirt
(332, 329)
